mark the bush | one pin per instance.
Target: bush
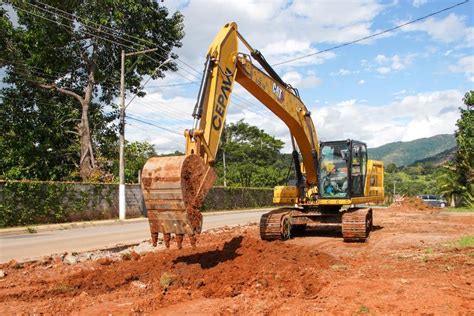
(26, 203)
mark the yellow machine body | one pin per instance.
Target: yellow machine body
(166, 181)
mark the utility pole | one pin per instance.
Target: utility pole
(223, 161)
(122, 200)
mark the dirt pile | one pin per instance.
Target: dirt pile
(235, 263)
(411, 203)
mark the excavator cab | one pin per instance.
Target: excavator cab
(342, 169)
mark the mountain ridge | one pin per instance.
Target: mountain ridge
(428, 149)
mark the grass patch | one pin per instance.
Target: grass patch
(31, 230)
(429, 250)
(167, 279)
(363, 309)
(466, 241)
(339, 267)
(458, 209)
(63, 288)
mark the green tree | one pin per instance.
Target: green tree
(136, 154)
(465, 153)
(391, 168)
(39, 140)
(72, 49)
(253, 157)
(455, 181)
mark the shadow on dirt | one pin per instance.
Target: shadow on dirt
(376, 227)
(210, 259)
(325, 232)
(317, 233)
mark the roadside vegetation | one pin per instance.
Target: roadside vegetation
(452, 179)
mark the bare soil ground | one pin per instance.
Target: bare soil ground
(411, 264)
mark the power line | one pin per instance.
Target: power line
(100, 30)
(169, 112)
(151, 124)
(373, 35)
(97, 36)
(122, 34)
(112, 41)
(87, 27)
(174, 84)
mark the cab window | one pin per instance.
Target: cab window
(333, 181)
(358, 169)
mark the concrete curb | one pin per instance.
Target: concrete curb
(31, 229)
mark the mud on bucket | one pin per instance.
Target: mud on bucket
(174, 189)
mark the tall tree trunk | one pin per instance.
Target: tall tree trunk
(87, 163)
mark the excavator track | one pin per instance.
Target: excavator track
(274, 225)
(356, 224)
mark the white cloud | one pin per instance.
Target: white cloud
(381, 59)
(288, 49)
(396, 63)
(387, 64)
(466, 66)
(450, 29)
(343, 72)
(383, 70)
(361, 82)
(275, 27)
(172, 114)
(419, 3)
(298, 81)
(403, 91)
(412, 117)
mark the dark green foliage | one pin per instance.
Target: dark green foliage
(62, 71)
(27, 203)
(136, 154)
(410, 182)
(253, 157)
(406, 153)
(39, 139)
(457, 179)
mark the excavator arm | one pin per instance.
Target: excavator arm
(175, 187)
(224, 65)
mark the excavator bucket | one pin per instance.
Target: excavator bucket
(174, 188)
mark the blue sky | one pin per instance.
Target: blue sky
(403, 85)
(400, 86)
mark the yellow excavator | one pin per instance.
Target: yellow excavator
(332, 180)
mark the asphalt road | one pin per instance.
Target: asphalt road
(23, 246)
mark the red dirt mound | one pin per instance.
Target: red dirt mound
(411, 203)
(235, 264)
